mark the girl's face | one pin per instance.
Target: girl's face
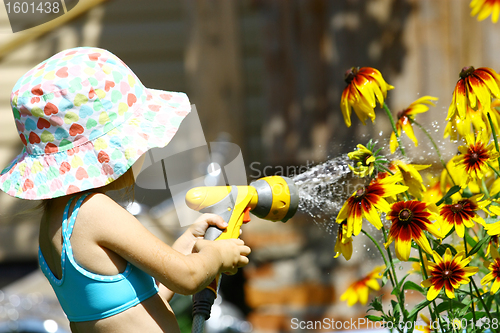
(136, 168)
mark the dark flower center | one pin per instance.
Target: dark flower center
(466, 71)
(405, 215)
(474, 157)
(496, 269)
(360, 192)
(350, 74)
(447, 274)
(457, 207)
(401, 113)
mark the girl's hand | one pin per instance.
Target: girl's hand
(196, 231)
(230, 253)
(200, 226)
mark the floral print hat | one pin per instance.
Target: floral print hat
(84, 118)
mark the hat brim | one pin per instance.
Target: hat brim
(98, 162)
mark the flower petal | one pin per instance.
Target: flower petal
(345, 107)
(432, 293)
(405, 124)
(403, 246)
(371, 214)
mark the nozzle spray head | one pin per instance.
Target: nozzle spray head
(278, 198)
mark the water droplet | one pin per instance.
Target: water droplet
(400, 268)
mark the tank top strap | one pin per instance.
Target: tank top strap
(69, 221)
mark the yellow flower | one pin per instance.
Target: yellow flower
(494, 242)
(493, 229)
(494, 274)
(433, 192)
(448, 272)
(366, 201)
(424, 328)
(409, 221)
(459, 177)
(344, 243)
(495, 116)
(461, 214)
(405, 118)
(364, 161)
(475, 86)
(411, 177)
(359, 290)
(365, 86)
(484, 8)
(475, 121)
(473, 163)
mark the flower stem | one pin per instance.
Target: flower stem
(482, 302)
(494, 136)
(435, 148)
(494, 170)
(485, 189)
(386, 169)
(425, 277)
(389, 255)
(393, 124)
(381, 253)
(470, 286)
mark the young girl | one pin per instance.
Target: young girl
(86, 121)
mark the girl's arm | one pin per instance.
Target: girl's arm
(185, 243)
(112, 227)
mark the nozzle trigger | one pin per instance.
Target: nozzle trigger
(246, 215)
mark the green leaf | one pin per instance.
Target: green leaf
(410, 285)
(464, 310)
(376, 304)
(477, 247)
(470, 240)
(397, 310)
(413, 314)
(479, 315)
(491, 220)
(448, 194)
(441, 249)
(448, 305)
(384, 280)
(397, 261)
(373, 318)
(396, 291)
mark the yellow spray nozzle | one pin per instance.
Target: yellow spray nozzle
(278, 198)
(272, 198)
(199, 198)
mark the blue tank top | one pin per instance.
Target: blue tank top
(84, 295)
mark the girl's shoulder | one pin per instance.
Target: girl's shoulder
(98, 207)
(103, 217)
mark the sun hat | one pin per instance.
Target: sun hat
(84, 118)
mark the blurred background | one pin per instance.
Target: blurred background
(267, 75)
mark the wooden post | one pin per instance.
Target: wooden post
(213, 66)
